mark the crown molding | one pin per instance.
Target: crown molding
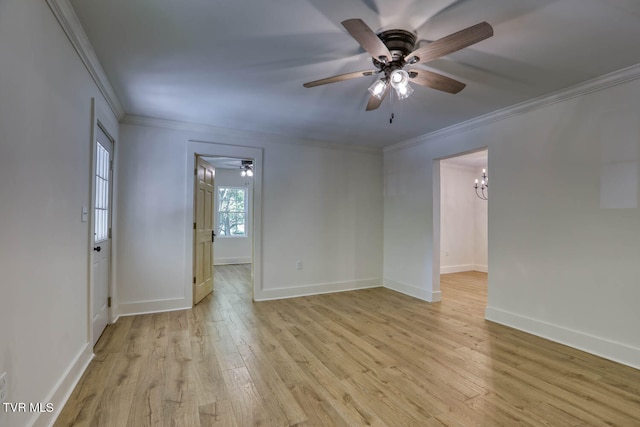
(66, 16)
(599, 83)
(242, 137)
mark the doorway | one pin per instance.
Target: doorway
(463, 249)
(233, 222)
(203, 229)
(102, 214)
(212, 151)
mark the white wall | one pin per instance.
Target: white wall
(463, 220)
(481, 242)
(321, 205)
(45, 118)
(564, 222)
(234, 250)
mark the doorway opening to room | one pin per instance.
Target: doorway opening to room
(463, 247)
(232, 226)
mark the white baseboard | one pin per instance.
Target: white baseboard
(64, 387)
(446, 269)
(611, 350)
(227, 261)
(414, 291)
(322, 288)
(114, 314)
(481, 268)
(155, 306)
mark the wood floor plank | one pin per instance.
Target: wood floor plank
(82, 404)
(217, 414)
(147, 407)
(268, 383)
(372, 357)
(249, 407)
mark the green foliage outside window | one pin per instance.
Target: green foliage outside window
(232, 211)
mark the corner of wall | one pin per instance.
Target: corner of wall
(65, 385)
(413, 291)
(154, 306)
(316, 289)
(599, 346)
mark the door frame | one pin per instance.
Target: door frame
(101, 117)
(437, 200)
(213, 149)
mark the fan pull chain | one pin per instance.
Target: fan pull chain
(391, 118)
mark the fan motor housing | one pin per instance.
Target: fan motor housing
(399, 42)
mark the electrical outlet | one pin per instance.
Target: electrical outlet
(299, 265)
(3, 387)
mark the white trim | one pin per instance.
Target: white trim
(436, 200)
(448, 269)
(228, 261)
(316, 289)
(481, 268)
(66, 16)
(212, 149)
(599, 83)
(243, 137)
(64, 387)
(100, 119)
(599, 346)
(91, 222)
(153, 306)
(413, 291)
(113, 274)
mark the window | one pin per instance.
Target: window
(102, 194)
(232, 211)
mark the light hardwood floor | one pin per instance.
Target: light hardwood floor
(370, 357)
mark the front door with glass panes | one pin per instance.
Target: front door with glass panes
(102, 232)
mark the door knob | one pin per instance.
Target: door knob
(97, 249)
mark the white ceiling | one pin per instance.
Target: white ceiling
(477, 159)
(241, 64)
(225, 162)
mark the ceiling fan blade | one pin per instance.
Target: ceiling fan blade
(374, 102)
(367, 38)
(340, 77)
(451, 43)
(435, 81)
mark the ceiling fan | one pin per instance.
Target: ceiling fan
(393, 50)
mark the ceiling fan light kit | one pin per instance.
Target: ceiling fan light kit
(378, 88)
(246, 168)
(392, 50)
(403, 92)
(399, 78)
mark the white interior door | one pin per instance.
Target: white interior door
(102, 232)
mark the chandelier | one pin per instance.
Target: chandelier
(482, 186)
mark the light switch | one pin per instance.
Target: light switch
(85, 214)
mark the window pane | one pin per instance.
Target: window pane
(232, 211)
(101, 202)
